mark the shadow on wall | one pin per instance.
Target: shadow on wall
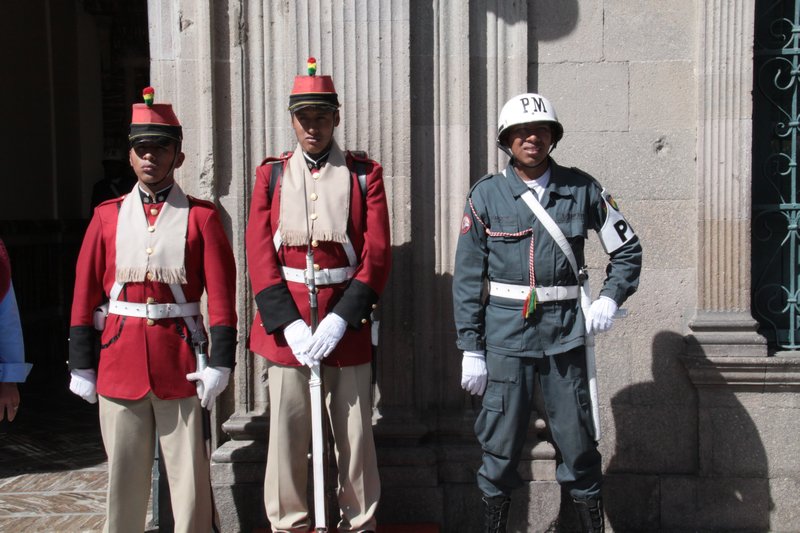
(684, 458)
(547, 20)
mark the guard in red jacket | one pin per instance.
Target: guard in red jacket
(146, 259)
(332, 202)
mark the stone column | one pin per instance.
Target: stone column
(440, 171)
(189, 72)
(186, 70)
(498, 71)
(737, 385)
(723, 324)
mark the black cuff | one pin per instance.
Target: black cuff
(82, 347)
(356, 304)
(223, 346)
(276, 307)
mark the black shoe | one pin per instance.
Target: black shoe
(590, 515)
(496, 516)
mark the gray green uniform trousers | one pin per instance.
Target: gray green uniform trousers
(502, 425)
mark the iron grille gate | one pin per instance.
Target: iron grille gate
(776, 200)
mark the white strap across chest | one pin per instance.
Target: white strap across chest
(552, 228)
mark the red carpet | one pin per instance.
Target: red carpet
(426, 527)
(409, 528)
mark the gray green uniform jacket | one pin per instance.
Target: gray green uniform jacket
(572, 198)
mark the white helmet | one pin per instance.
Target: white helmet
(525, 108)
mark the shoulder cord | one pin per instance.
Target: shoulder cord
(530, 301)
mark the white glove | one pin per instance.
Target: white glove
(601, 315)
(473, 373)
(298, 336)
(328, 334)
(83, 382)
(214, 380)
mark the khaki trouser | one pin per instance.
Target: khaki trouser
(129, 431)
(347, 398)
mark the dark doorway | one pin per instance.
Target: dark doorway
(74, 69)
(78, 68)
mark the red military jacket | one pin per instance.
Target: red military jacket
(135, 357)
(280, 302)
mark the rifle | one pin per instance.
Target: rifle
(317, 419)
(200, 342)
(200, 346)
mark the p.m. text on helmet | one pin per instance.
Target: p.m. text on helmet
(538, 103)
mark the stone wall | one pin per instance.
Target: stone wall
(654, 98)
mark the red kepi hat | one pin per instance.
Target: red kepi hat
(155, 123)
(312, 90)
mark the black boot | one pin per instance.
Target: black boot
(496, 515)
(590, 515)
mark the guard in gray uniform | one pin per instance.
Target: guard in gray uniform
(517, 302)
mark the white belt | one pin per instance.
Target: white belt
(543, 294)
(154, 311)
(325, 276)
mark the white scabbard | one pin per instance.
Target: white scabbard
(317, 447)
(591, 363)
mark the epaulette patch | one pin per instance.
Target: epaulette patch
(586, 175)
(359, 154)
(483, 178)
(200, 201)
(274, 159)
(580, 171)
(113, 200)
